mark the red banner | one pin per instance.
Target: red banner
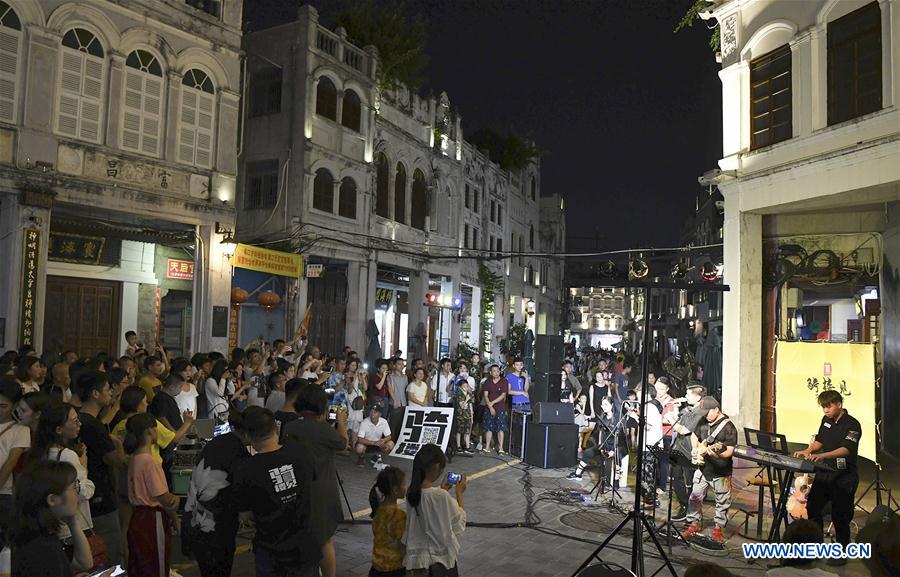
(180, 269)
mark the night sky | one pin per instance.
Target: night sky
(626, 113)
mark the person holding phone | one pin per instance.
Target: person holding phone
(218, 388)
(435, 520)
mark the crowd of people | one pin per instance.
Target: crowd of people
(89, 450)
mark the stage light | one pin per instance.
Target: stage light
(680, 270)
(608, 269)
(457, 302)
(637, 268)
(709, 272)
(431, 299)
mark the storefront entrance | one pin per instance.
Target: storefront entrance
(82, 315)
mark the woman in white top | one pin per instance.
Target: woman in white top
(57, 431)
(417, 390)
(353, 390)
(435, 520)
(218, 388)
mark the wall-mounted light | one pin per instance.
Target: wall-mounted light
(530, 307)
(229, 246)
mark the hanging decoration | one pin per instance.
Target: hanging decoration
(239, 296)
(268, 299)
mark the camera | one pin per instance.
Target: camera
(454, 478)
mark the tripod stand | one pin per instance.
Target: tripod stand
(600, 487)
(674, 459)
(637, 515)
(877, 485)
(343, 492)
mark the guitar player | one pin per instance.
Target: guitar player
(719, 435)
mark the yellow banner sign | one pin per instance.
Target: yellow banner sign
(806, 369)
(268, 260)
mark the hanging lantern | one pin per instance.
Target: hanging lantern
(239, 296)
(268, 299)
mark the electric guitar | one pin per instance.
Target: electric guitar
(698, 453)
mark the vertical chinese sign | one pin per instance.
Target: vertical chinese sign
(31, 254)
(233, 326)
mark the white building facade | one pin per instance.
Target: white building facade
(381, 190)
(811, 158)
(118, 161)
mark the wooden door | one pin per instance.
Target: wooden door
(328, 296)
(82, 315)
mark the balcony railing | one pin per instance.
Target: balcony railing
(337, 47)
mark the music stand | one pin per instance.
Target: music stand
(777, 443)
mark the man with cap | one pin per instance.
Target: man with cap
(683, 432)
(374, 437)
(720, 436)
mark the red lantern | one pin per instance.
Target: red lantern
(239, 296)
(268, 299)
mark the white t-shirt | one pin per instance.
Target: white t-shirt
(12, 436)
(420, 392)
(439, 384)
(275, 401)
(187, 400)
(372, 432)
(309, 375)
(85, 489)
(653, 434)
(433, 530)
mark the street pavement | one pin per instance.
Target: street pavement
(497, 494)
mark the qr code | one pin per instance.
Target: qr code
(432, 435)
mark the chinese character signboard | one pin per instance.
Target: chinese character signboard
(31, 258)
(314, 270)
(268, 261)
(421, 426)
(180, 269)
(233, 326)
(77, 248)
(383, 298)
(804, 370)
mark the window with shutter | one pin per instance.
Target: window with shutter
(323, 191)
(81, 80)
(195, 132)
(10, 40)
(347, 200)
(142, 109)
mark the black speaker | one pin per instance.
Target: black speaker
(553, 413)
(517, 430)
(551, 446)
(546, 388)
(548, 353)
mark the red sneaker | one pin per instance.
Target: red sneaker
(717, 536)
(692, 530)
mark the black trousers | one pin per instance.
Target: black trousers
(840, 491)
(452, 449)
(214, 560)
(682, 479)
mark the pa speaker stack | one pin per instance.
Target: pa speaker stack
(551, 438)
(546, 382)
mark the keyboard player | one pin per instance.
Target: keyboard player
(836, 444)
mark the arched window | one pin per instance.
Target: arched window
(351, 111)
(419, 201)
(142, 105)
(347, 199)
(326, 98)
(195, 131)
(533, 188)
(382, 192)
(10, 42)
(323, 191)
(400, 194)
(531, 236)
(81, 78)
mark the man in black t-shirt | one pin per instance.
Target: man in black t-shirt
(165, 408)
(836, 444)
(684, 430)
(103, 451)
(720, 435)
(275, 484)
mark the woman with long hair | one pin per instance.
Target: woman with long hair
(154, 507)
(219, 387)
(435, 521)
(47, 498)
(30, 373)
(28, 410)
(55, 440)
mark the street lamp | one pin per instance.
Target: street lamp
(229, 246)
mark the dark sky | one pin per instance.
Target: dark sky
(626, 113)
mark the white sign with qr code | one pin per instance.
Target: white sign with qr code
(421, 426)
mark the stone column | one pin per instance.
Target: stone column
(742, 324)
(890, 30)
(212, 287)
(801, 85)
(173, 102)
(418, 315)
(361, 296)
(475, 322)
(114, 98)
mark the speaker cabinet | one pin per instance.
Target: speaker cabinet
(548, 353)
(551, 446)
(518, 427)
(553, 413)
(545, 388)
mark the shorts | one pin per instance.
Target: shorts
(494, 423)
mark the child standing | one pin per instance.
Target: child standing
(388, 524)
(151, 501)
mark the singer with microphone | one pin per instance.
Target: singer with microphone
(609, 445)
